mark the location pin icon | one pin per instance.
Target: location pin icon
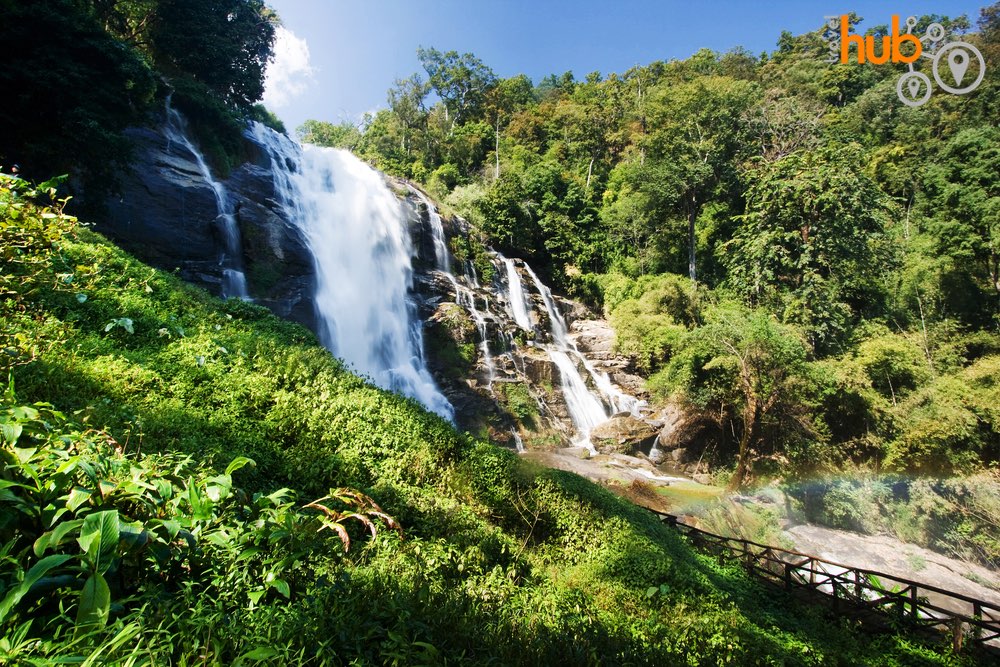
(958, 63)
(914, 86)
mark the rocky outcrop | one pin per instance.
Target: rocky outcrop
(596, 339)
(279, 266)
(499, 376)
(623, 434)
(683, 443)
(166, 214)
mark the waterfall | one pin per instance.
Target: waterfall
(586, 408)
(464, 296)
(234, 282)
(518, 305)
(356, 230)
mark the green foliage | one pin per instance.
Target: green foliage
(103, 57)
(814, 229)
(650, 327)
(316, 132)
(58, 48)
(135, 531)
(517, 399)
(263, 115)
(753, 374)
(224, 45)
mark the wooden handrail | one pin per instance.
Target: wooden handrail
(856, 585)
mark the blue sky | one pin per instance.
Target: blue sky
(339, 57)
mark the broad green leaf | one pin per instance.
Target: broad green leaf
(24, 455)
(25, 413)
(247, 553)
(281, 586)
(218, 488)
(240, 462)
(10, 433)
(99, 539)
(38, 570)
(76, 498)
(55, 537)
(173, 527)
(133, 534)
(95, 602)
(259, 653)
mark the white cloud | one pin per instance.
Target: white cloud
(291, 73)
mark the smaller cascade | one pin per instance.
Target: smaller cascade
(619, 401)
(234, 282)
(464, 296)
(467, 299)
(518, 442)
(518, 304)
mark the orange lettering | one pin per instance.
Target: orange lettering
(897, 41)
(846, 39)
(886, 50)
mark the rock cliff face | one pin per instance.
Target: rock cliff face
(167, 215)
(520, 366)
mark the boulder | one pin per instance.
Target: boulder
(680, 427)
(623, 434)
(167, 214)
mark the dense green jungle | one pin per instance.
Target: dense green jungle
(781, 246)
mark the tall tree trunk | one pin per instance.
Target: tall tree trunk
(746, 439)
(692, 215)
(590, 170)
(496, 173)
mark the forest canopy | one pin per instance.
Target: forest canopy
(815, 218)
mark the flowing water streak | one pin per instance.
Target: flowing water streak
(234, 282)
(518, 442)
(618, 400)
(518, 304)
(357, 232)
(464, 296)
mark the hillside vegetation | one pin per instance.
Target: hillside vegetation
(180, 476)
(783, 246)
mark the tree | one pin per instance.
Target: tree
(224, 44)
(963, 188)
(406, 100)
(342, 135)
(812, 243)
(745, 367)
(70, 89)
(698, 132)
(461, 81)
(502, 101)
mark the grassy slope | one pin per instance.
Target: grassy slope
(502, 563)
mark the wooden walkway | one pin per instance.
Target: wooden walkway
(966, 619)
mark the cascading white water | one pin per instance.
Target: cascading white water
(518, 442)
(357, 232)
(234, 282)
(518, 304)
(586, 408)
(464, 296)
(441, 255)
(619, 401)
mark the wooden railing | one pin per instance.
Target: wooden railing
(966, 619)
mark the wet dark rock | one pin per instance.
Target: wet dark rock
(167, 215)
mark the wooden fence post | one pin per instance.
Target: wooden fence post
(957, 636)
